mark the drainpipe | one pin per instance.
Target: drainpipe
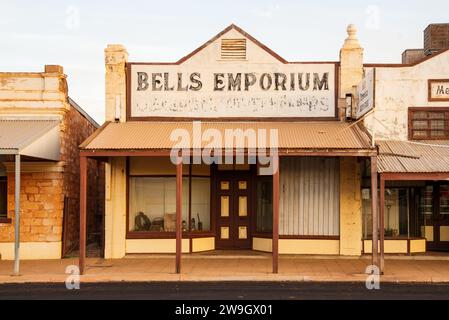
(17, 216)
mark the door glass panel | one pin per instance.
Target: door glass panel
(426, 201)
(426, 211)
(225, 185)
(243, 206)
(224, 233)
(243, 232)
(225, 206)
(243, 185)
(444, 200)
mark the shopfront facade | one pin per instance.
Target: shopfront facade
(231, 148)
(410, 123)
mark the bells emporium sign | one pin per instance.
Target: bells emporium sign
(301, 90)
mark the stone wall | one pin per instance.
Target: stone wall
(76, 129)
(42, 201)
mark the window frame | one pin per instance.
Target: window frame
(411, 130)
(189, 234)
(256, 207)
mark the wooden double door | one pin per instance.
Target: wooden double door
(434, 218)
(233, 210)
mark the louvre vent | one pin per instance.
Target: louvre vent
(233, 49)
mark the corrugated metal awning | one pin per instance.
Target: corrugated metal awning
(292, 135)
(412, 157)
(33, 138)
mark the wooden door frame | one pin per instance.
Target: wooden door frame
(437, 219)
(232, 176)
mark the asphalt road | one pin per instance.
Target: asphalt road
(225, 291)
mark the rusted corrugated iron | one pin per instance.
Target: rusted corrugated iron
(412, 157)
(292, 135)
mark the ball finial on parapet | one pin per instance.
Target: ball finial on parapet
(352, 31)
(351, 41)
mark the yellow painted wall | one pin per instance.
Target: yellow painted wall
(262, 244)
(324, 247)
(115, 208)
(398, 246)
(203, 244)
(350, 208)
(31, 250)
(418, 246)
(299, 246)
(155, 246)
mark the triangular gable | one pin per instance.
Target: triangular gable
(232, 76)
(224, 32)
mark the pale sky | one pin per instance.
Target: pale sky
(74, 34)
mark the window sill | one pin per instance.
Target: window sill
(5, 220)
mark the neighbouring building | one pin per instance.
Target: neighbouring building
(182, 147)
(411, 126)
(41, 128)
(436, 39)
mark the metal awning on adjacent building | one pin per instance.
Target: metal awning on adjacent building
(336, 138)
(33, 138)
(407, 159)
(37, 139)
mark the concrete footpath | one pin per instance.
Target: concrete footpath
(222, 268)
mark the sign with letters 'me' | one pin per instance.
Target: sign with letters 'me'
(365, 92)
(232, 91)
(439, 90)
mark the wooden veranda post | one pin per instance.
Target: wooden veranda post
(276, 214)
(83, 212)
(375, 253)
(178, 214)
(382, 223)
